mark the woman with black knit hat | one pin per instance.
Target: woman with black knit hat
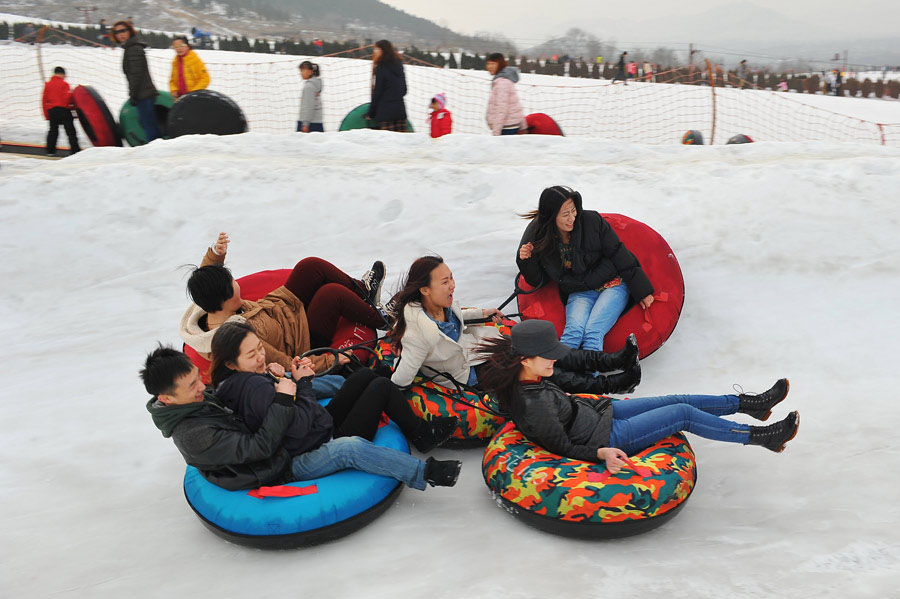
(597, 275)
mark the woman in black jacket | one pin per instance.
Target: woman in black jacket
(580, 251)
(141, 91)
(387, 108)
(601, 430)
(324, 440)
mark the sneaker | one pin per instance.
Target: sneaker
(372, 280)
(387, 317)
(442, 473)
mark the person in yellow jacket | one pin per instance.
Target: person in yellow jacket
(188, 71)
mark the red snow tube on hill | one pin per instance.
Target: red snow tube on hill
(96, 119)
(256, 286)
(652, 326)
(541, 124)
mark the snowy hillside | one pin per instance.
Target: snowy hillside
(790, 257)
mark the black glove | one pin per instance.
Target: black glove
(132, 101)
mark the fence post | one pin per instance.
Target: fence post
(712, 89)
(881, 132)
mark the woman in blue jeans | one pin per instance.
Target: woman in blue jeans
(324, 440)
(596, 273)
(601, 430)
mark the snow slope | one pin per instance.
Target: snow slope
(790, 257)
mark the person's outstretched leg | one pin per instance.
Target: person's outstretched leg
(578, 311)
(360, 454)
(604, 314)
(717, 405)
(312, 273)
(639, 432)
(345, 399)
(333, 301)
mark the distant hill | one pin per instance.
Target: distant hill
(304, 19)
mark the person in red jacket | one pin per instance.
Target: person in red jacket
(440, 119)
(58, 106)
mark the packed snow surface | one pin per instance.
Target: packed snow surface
(790, 259)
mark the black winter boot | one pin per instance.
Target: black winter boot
(432, 433)
(775, 436)
(625, 382)
(620, 360)
(760, 405)
(442, 473)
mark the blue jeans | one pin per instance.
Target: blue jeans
(147, 116)
(327, 385)
(313, 127)
(640, 422)
(359, 454)
(591, 314)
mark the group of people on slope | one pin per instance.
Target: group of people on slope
(258, 426)
(387, 109)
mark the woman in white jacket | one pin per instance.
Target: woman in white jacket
(430, 333)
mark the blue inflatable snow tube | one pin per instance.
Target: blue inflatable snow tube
(339, 504)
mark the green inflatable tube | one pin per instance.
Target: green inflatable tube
(130, 123)
(356, 119)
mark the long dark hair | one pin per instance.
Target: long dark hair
(499, 374)
(419, 276)
(311, 66)
(552, 198)
(388, 52)
(226, 347)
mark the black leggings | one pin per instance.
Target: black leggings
(357, 406)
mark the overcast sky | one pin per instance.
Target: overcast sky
(532, 21)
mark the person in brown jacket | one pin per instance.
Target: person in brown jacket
(290, 320)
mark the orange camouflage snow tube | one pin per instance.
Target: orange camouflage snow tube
(581, 499)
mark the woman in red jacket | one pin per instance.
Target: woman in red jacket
(57, 101)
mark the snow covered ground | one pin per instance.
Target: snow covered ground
(790, 258)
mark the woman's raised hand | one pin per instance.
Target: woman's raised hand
(286, 386)
(301, 368)
(525, 251)
(614, 458)
(221, 245)
(276, 369)
(645, 303)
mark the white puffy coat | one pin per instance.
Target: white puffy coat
(425, 345)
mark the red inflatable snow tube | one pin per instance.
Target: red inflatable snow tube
(96, 119)
(256, 286)
(651, 326)
(542, 124)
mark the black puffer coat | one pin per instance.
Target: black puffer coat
(573, 427)
(134, 63)
(387, 94)
(250, 396)
(221, 446)
(598, 256)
